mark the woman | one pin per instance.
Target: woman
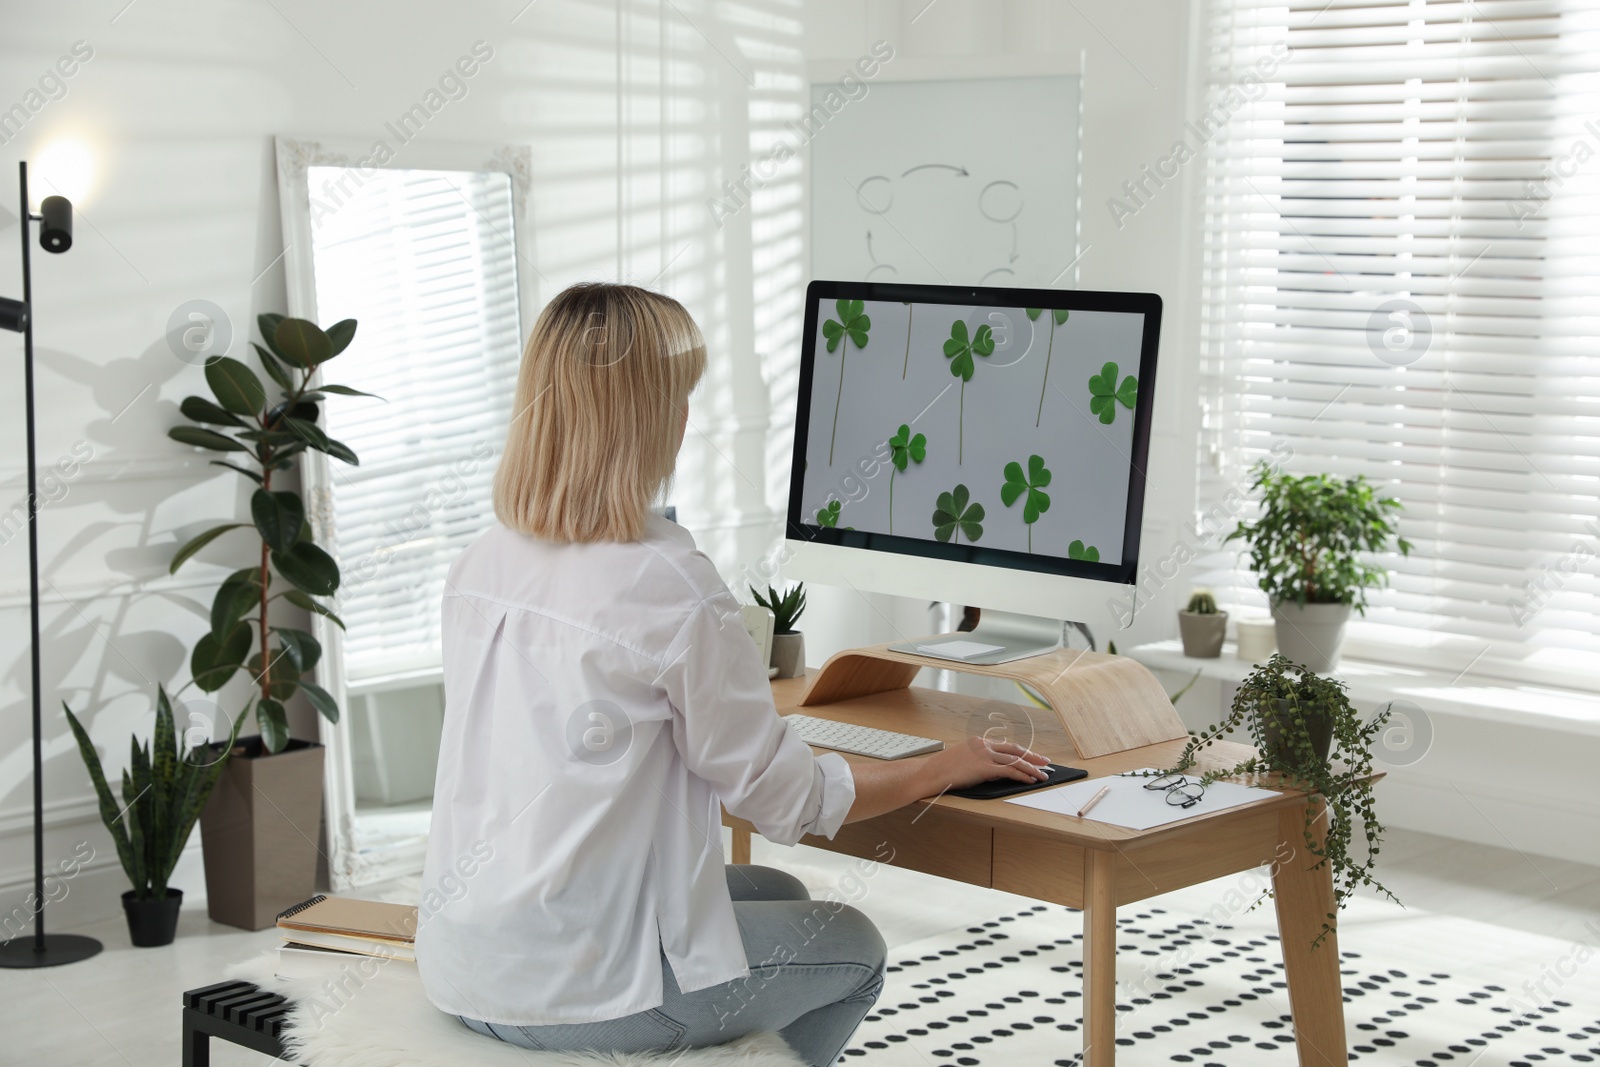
(601, 701)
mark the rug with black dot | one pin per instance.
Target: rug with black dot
(1418, 990)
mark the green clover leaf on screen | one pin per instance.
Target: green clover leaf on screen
(1076, 550)
(854, 323)
(1031, 484)
(903, 449)
(1058, 314)
(952, 516)
(1105, 393)
(828, 515)
(959, 350)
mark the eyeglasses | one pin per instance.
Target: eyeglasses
(1181, 792)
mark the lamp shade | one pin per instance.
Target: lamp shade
(55, 226)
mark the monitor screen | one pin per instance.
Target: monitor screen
(1005, 427)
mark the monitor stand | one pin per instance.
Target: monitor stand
(1000, 637)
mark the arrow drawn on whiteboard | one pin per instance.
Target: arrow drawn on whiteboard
(997, 270)
(961, 172)
(868, 206)
(876, 266)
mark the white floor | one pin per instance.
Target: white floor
(122, 1007)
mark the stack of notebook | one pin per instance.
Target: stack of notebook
(325, 933)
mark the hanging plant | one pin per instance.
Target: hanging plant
(1030, 484)
(853, 324)
(903, 449)
(959, 350)
(1058, 317)
(1306, 731)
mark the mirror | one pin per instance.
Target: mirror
(427, 259)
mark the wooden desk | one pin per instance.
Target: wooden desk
(1093, 866)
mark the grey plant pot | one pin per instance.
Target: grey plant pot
(789, 654)
(1310, 634)
(1202, 634)
(1277, 726)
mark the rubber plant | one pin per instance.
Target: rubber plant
(269, 436)
(853, 324)
(1030, 485)
(904, 449)
(1058, 317)
(164, 789)
(959, 349)
(1308, 734)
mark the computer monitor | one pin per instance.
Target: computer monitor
(980, 446)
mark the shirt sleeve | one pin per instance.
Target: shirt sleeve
(730, 734)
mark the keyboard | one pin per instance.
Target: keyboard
(860, 740)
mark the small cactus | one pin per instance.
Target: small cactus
(1201, 602)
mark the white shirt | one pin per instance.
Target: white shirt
(600, 699)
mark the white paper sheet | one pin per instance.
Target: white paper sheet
(1131, 805)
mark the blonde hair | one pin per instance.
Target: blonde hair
(594, 429)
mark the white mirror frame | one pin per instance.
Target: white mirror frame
(347, 867)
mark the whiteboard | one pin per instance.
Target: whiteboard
(959, 182)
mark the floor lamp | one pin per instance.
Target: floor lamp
(55, 235)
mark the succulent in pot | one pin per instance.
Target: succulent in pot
(788, 643)
(1201, 626)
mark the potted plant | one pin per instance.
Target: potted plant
(788, 644)
(164, 788)
(1306, 731)
(1306, 551)
(261, 827)
(1202, 626)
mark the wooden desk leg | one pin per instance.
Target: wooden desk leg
(1316, 995)
(741, 845)
(1099, 959)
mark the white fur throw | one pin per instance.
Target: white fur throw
(387, 1021)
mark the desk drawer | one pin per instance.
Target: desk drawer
(1051, 869)
(933, 844)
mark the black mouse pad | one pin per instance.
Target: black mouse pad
(996, 788)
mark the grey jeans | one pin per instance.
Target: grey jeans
(831, 974)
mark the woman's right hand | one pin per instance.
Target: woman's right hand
(979, 759)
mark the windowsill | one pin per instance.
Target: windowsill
(1506, 703)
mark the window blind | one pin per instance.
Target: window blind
(1400, 279)
(424, 261)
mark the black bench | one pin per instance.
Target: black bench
(237, 1011)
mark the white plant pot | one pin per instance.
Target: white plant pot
(1310, 634)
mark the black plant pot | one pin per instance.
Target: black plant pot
(1279, 752)
(152, 923)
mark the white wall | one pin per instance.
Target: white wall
(637, 112)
